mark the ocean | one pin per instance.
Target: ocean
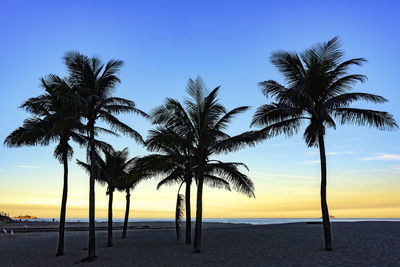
(253, 221)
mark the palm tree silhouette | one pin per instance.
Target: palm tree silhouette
(95, 83)
(176, 168)
(200, 128)
(110, 171)
(176, 165)
(134, 174)
(56, 118)
(318, 90)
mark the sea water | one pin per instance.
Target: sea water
(253, 221)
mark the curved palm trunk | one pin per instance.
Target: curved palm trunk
(324, 205)
(128, 199)
(199, 213)
(60, 250)
(110, 215)
(188, 215)
(178, 212)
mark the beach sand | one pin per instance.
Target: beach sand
(299, 244)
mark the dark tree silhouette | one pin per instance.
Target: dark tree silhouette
(111, 171)
(175, 165)
(175, 168)
(95, 83)
(318, 90)
(56, 118)
(200, 128)
(134, 174)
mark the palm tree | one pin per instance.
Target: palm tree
(318, 91)
(210, 179)
(112, 172)
(175, 164)
(55, 118)
(134, 174)
(95, 83)
(200, 128)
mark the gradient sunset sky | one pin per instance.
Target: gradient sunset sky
(227, 43)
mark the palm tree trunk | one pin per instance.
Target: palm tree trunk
(324, 205)
(188, 215)
(128, 199)
(199, 213)
(110, 201)
(92, 234)
(60, 250)
(178, 212)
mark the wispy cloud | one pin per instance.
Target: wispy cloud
(396, 167)
(383, 157)
(354, 139)
(27, 167)
(283, 144)
(340, 153)
(270, 174)
(311, 162)
(333, 153)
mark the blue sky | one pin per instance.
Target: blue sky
(227, 43)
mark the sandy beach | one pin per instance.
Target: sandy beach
(154, 244)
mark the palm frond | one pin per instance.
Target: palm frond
(290, 65)
(216, 182)
(343, 84)
(234, 143)
(275, 112)
(224, 120)
(342, 68)
(344, 100)
(173, 178)
(287, 127)
(34, 131)
(271, 88)
(366, 117)
(229, 172)
(120, 126)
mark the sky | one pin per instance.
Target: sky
(228, 44)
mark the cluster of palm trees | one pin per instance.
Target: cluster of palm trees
(70, 109)
(187, 137)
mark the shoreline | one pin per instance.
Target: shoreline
(46, 226)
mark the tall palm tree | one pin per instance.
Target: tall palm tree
(95, 83)
(55, 118)
(111, 171)
(200, 126)
(318, 91)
